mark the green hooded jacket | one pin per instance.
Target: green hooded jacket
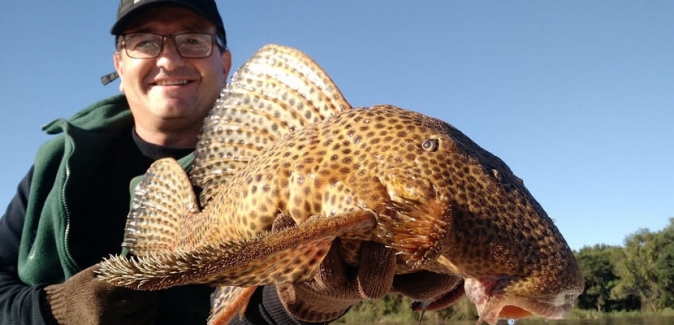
(60, 167)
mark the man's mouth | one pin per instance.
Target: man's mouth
(171, 82)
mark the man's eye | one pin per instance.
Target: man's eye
(148, 45)
(194, 41)
(145, 44)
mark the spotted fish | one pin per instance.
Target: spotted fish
(283, 142)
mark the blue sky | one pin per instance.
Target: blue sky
(577, 97)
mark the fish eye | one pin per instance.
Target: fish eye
(430, 145)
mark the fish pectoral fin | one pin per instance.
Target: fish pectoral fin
(288, 255)
(228, 301)
(162, 201)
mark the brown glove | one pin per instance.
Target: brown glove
(83, 299)
(337, 286)
(431, 291)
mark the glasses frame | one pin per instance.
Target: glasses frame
(122, 44)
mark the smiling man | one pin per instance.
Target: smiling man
(172, 64)
(70, 210)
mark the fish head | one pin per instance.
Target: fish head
(487, 227)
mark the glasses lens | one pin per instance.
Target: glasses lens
(143, 45)
(189, 45)
(194, 45)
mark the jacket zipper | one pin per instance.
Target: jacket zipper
(66, 242)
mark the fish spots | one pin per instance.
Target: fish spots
(431, 189)
(328, 198)
(324, 172)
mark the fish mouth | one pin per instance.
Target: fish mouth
(493, 305)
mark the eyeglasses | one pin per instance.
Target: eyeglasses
(148, 45)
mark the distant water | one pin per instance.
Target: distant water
(608, 321)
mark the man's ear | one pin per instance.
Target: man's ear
(226, 63)
(117, 59)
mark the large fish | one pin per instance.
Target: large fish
(282, 142)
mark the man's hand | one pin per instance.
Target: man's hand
(83, 299)
(430, 291)
(337, 286)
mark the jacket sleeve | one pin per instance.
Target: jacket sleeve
(265, 307)
(19, 303)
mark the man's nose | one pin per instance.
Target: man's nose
(169, 58)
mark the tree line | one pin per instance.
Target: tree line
(636, 276)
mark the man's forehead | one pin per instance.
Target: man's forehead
(160, 18)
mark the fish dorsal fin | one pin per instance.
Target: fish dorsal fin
(277, 90)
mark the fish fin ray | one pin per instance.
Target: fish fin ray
(266, 259)
(277, 90)
(162, 199)
(229, 301)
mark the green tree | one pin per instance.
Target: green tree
(635, 269)
(600, 279)
(664, 273)
(646, 268)
(664, 265)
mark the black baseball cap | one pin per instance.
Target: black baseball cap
(129, 8)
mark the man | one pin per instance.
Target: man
(70, 209)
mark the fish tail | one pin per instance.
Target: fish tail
(162, 201)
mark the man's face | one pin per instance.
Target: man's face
(169, 93)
